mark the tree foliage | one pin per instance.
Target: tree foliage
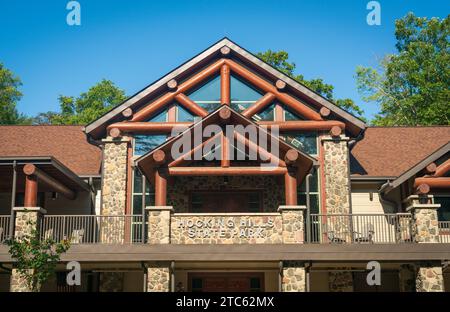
(412, 87)
(9, 95)
(85, 108)
(35, 258)
(280, 60)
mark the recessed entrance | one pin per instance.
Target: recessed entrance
(226, 282)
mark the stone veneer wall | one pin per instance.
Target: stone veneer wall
(111, 282)
(158, 278)
(231, 235)
(426, 225)
(272, 188)
(115, 156)
(293, 224)
(340, 281)
(429, 278)
(159, 219)
(337, 184)
(294, 277)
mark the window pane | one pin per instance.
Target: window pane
(160, 117)
(240, 107)
(208, 95)
(313, 183)
(137, 204)
(267, 114)
(242, 91)
(444, 210)
(184, 115)
(146, 143)
(314, 200)
(289, 115)
(304, 141)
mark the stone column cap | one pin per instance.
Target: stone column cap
(291, 207)
(342, 137)
(30, 209)
(116, 140)
(423, 206)
(153, 208)
(417, 197)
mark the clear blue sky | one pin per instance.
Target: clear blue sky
(133, 43)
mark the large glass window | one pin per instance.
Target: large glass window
(242, 94)
(268, 114)
(160, 117)
(146, 143)
(314, 194)
(444, 210)
(184, 115)
(137, 194)
(208, 95)
(289, 115)
(304, 141)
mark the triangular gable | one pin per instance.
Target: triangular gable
(150, 161)
(159, 88)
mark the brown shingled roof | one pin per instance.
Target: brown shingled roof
(68, 144)
(390, 151)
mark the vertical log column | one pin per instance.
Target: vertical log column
(225, 85)
(426, 230)
(290, 187)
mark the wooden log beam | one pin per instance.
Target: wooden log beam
(335, 131)
(259, 105)
(225, 115)
(159, 157)
(280, 84)
(225, 149)
(172, 84)
(324, 112)
(291, 157)
(157, 104)
(225, 85)
(225, 51)
(115, 132)
(433, 182)
(127, 112)
(423, 189)
(230, 171)
(290, 187)
(148, 127)
(442, 169)
(191, 105)
(32, 170)
(160, 188)
(31, 191)
(303, 125)
(260, 83)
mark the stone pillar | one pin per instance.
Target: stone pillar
(293, 224)
(24, 215)
(158, 277)
(336, 171)
(159, 224)
(429, 277)
(407, 278)
(425, 221)
(340, 281)
(111, 282)
(114, 186)
(294, 277)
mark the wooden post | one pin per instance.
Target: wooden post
(160, 188)
(31, 191)
(290, 185)
(225, 161)
(225, 85)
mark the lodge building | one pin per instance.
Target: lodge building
(324, 195)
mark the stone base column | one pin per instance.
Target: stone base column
(158, 277)
(340, 281)
(429, 278)
(23, 217)
(293, 224)
(425, 221)
(294, 277)
(407, 278)
(111, 282)
(159, 224)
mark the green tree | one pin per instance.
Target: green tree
(280, 60)
(85, 108)
(412, 87)
(35, 258)
(9, 95)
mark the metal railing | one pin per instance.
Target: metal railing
(361, 228)
(93, 229)
(444, 231)
(4, 227)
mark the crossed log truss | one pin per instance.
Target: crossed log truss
(434, 179)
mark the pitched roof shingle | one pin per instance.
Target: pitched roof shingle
(68, 144)
(390, 151)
